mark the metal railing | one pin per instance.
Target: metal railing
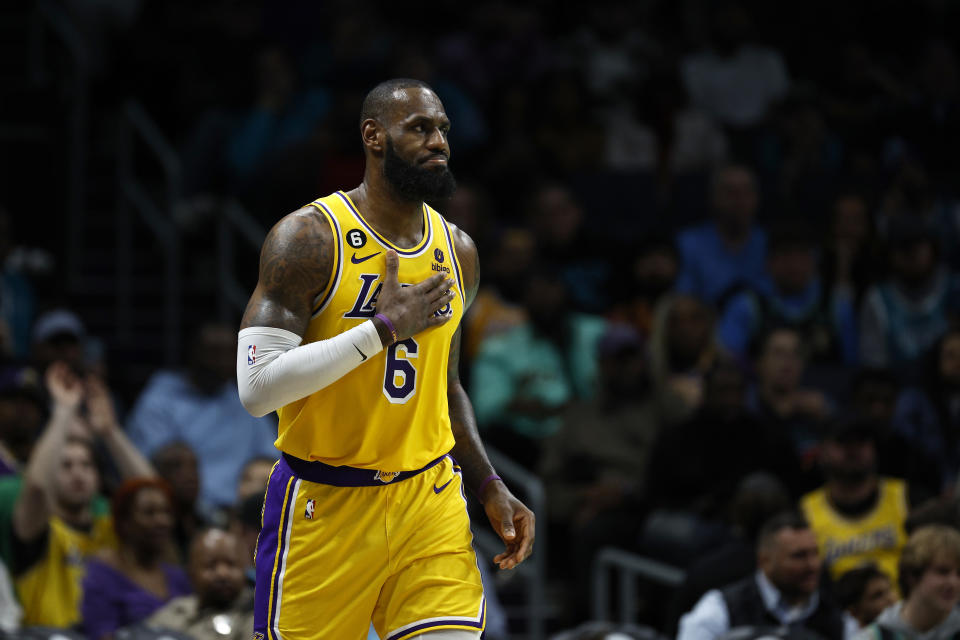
(134, 200)
(534, 570)
(48, 17)
(234, 220)
(631, 567)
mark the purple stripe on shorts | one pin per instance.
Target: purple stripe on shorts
(267, 543)
(444, 622)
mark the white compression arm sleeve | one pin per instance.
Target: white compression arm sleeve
(273, 370)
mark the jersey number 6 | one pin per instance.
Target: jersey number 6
(399, 377)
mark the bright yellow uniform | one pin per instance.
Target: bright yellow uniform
(876, 537)
(365, 517)
(50, 589)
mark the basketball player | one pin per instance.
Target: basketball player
(352, 335)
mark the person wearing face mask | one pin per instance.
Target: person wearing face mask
(930, 581)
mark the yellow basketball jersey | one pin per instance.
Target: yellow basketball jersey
(50, 590)
(877, 537)
(390, 413)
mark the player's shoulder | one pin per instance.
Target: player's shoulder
(304, 225)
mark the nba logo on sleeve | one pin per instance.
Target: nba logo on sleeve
(308, 513)
(251, 354)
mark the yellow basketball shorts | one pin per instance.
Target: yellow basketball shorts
(340, 547)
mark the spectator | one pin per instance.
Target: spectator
(567, 243)
(857, 515)
(784, 590)
(824, 318)
(245, 525)
(523, 380)
(498, 307)
(221, 607)
(875, 396)
(734, 80)
(928, 416)
(682, 350)
(125, 585)
(904, 315)
(254, 477)
(176, 464)
(727, 255)
(53, 518)
(848, 255)
(759, 497)
(930, 581)
(719, 446)
(201, 407)
(59, 335)
(863, 593)
(22, 415)
(16, 298)
(648, 277)
(779, 401)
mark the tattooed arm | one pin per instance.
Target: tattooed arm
(513, 522)
(273, 368)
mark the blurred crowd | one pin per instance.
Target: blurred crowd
(720, 246)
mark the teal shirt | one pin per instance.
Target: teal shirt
(519, 363)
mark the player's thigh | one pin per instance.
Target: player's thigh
(450, 634)
(434, 583)
(320, 561)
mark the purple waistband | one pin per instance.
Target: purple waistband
(321, 473)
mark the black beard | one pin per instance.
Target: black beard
(416, 184)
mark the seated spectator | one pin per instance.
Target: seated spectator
(825, 318)
(254, 477)
(16, 297)
(176, 464)
(498, 307)
(125, 585)
(567, 242)
(201, 407)
(52, 518)
(682, 349)
(245, 525)
(523, 379)
(221, 607)
(778, 399)
(647, 278)
(22, 415)
(759, 497)
(928, 416)
(697, 465)
(784, 591)
(607, 439)
(930, 582)
(728, 254)
(863, 593)
(875, 395)
(848, 257)
(857, 515)
(906, 314)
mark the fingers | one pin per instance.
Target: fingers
(393, 267)
(520, 543)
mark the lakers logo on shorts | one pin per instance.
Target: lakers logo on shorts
(386, 476)
(258, 636)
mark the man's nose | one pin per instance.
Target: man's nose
(437, 140)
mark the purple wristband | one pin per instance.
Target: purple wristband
(390, 327)
(483, 485)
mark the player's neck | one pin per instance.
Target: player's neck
(398, 220)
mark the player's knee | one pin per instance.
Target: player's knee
(450, 634)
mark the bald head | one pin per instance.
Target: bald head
(215, 568)
(385, 95)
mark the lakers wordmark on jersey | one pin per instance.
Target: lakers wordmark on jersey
(390, 413)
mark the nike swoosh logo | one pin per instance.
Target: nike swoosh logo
(437, 489)
(355, 260)
(363, 356)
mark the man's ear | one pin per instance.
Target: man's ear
(373, 135)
